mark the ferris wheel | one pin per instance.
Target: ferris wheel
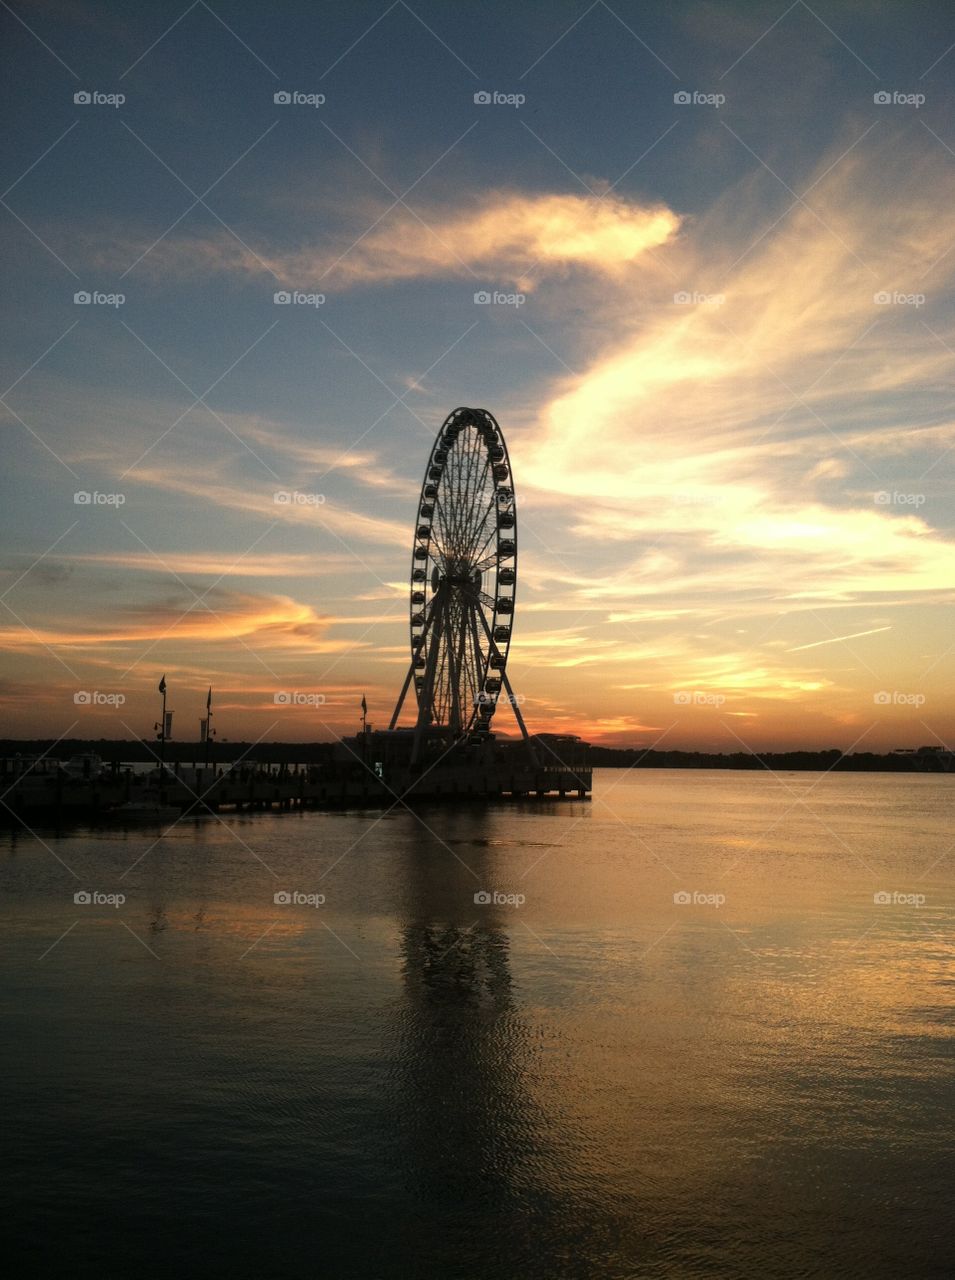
(463, 581)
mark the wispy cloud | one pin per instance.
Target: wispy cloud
(739, 424)
(505, 233)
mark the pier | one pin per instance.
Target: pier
(370, 770)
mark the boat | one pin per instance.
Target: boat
(86, 766)
(146, 808)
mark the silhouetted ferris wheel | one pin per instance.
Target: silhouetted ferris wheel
(463, 580)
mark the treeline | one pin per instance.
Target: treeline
(931, 759)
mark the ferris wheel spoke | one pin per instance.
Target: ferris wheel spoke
(440, 527)
(491, 535)
(481, 534)
(486, 563)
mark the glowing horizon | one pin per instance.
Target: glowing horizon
(723, 374)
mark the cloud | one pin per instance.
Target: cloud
(503, 235)
(740, 418)
(224, 618)
(213, 563)
(344, 525)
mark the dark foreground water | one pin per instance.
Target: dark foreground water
(599, 1080)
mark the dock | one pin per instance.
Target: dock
(368, 771)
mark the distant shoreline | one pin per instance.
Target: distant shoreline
(127, 751)
(924, 760)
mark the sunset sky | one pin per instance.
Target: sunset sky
(727, 391)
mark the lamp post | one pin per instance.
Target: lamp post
(162, 728)
(208, 722)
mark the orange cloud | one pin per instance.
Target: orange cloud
(270, 622)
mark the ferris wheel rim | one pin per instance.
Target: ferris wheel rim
(465, 533)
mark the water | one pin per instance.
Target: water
(402, 1082)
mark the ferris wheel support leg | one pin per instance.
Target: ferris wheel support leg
(426, 696)
(519, 718)
(478, 668)
(455, 663)
(401, 696)
(513, 701)
(404, 688)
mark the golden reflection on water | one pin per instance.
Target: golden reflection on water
(648, 1075)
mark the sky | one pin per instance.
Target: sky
(718, 243)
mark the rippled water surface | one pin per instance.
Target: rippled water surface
(588, 1076)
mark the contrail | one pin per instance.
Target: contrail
(835, 639)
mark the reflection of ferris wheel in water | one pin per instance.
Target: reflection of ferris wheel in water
(463, 581)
